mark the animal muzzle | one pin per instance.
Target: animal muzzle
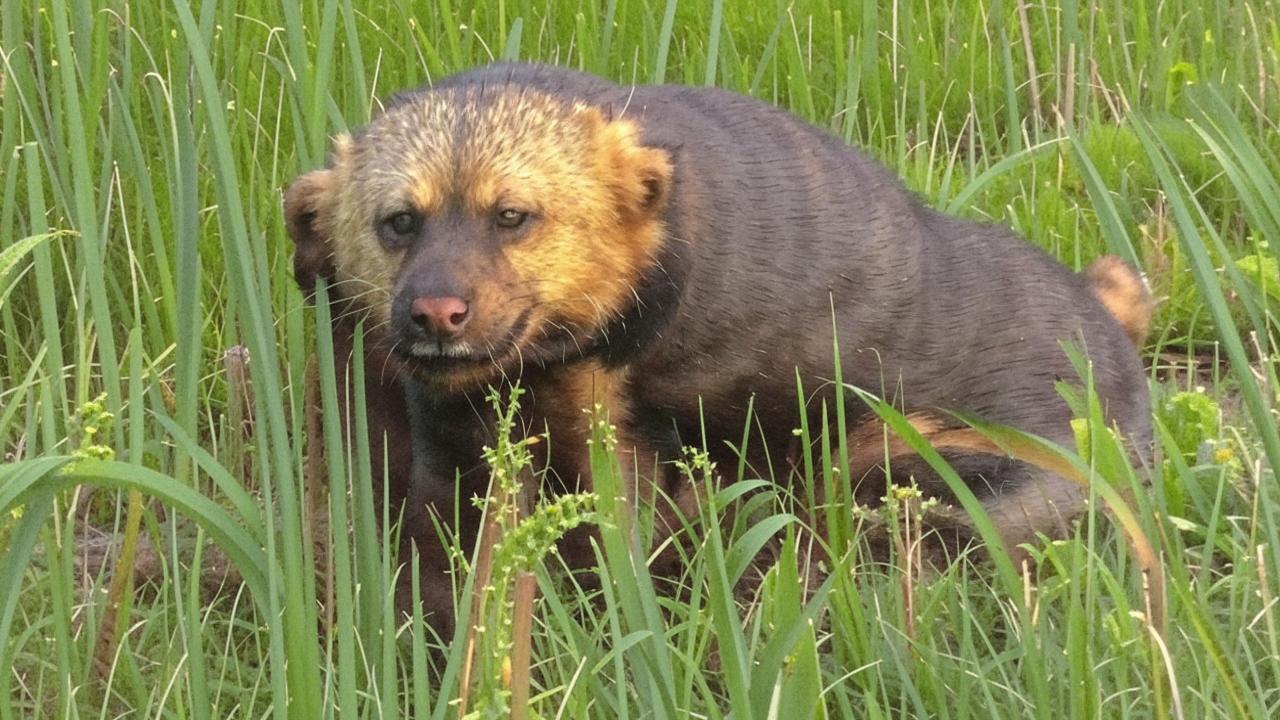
(430, 323)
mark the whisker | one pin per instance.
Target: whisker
(568, 332)
(386, 360)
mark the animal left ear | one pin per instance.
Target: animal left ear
(308, 205)
(304, 202)
(639, 174)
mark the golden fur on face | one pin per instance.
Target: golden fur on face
(594, 191)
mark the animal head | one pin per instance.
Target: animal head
(482, 228)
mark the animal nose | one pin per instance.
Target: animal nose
(441, 316)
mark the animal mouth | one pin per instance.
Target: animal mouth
(439, 349)
(439, 356)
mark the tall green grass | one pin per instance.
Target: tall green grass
(143, 147)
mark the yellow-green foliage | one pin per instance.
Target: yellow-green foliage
(521, 546)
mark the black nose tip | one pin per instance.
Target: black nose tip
(444, 317)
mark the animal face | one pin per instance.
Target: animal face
(483, 228)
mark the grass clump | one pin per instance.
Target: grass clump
(143, 147)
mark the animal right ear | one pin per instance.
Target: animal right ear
(305, 203)
(640, 175)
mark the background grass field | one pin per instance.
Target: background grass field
(143, 147)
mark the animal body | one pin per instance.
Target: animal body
(678, 255)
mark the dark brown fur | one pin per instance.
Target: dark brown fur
(686, 251)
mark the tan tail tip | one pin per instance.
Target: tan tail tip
(1124, 294)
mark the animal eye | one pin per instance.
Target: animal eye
(399, 229)
(403, 223)
(511, 218)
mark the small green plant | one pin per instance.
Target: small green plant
(11, 256)
(1194, 421)
(521, 536)
(1263, 271)
(93, 424)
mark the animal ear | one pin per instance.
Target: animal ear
(640, 175)
(305, 203)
